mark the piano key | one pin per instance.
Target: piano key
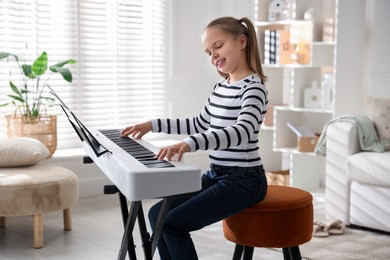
(138, 151)
(165, 165)
(143, 157)
(134, 149)
(156, 164)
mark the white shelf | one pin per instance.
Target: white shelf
(323, 53)
(287, 84)
(267, 128)
(285, 137)
(282, 23)
(282, 66)
(295, 151)
(307, 110)
(285, 149)
(306, 171)
(325, 44)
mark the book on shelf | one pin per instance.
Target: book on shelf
(301, 130)
(277, 47)
(267, 44)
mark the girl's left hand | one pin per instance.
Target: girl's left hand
(170, 151)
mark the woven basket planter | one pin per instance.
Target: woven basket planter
(42, 128)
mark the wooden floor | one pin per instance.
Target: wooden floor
(97, 232)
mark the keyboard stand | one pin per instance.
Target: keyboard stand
(129, 217)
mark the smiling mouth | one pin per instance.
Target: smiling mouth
(219, 63)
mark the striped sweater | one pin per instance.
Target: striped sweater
(228, 125)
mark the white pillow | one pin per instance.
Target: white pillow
(378, 110)
(22, 151)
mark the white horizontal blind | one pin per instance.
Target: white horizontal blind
(119, 47)
(16, 29)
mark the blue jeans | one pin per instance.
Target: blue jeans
(225, 191)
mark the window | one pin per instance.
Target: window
(120, 51)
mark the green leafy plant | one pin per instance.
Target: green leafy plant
(29, 99)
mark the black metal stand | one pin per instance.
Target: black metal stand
(149, 243)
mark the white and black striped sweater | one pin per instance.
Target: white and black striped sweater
(228, 125)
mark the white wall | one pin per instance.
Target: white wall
(191, 76)
(377, 72)
(363, 64)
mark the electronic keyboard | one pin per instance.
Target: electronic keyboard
(132, 167)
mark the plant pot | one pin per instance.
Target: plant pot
(42, 128)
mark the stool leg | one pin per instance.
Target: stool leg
(38, 231)
(248, 253)
(2, 222)
(238, 252)
(67, 219)
(295, 253)
(286, 253)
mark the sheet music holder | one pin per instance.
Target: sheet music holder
(81, 130)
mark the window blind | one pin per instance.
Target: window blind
(119, 47)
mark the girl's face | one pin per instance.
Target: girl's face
(226, 53)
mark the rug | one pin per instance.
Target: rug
(353, 244)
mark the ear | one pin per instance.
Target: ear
(243, 41)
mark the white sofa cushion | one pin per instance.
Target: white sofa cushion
(368, 206)
(370, 167)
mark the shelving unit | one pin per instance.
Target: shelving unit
(287, 83)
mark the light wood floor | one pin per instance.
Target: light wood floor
(97, 232)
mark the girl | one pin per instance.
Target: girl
(228, 126)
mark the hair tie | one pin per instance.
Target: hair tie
(242, 22)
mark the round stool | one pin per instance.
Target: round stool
(284, 219)
(37, 189)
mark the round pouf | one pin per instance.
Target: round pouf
(37, 189)
(284, 219)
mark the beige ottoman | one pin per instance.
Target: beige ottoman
(34, 190)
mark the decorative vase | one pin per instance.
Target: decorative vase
(42, 128)
(301, 54)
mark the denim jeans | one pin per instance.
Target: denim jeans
(225, 191)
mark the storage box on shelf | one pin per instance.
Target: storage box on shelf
(307, 144)
(290, 73)
(284, 139)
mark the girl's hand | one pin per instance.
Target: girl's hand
(138, 130)
(170, 151)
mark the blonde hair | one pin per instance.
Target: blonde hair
(237, 27)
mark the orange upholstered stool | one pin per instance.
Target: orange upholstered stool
(284, 219)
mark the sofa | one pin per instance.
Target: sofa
(357, 189)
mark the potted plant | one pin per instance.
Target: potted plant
(30, 117)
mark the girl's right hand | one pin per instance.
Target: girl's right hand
(138, 130)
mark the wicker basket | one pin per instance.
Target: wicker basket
(42, 128)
